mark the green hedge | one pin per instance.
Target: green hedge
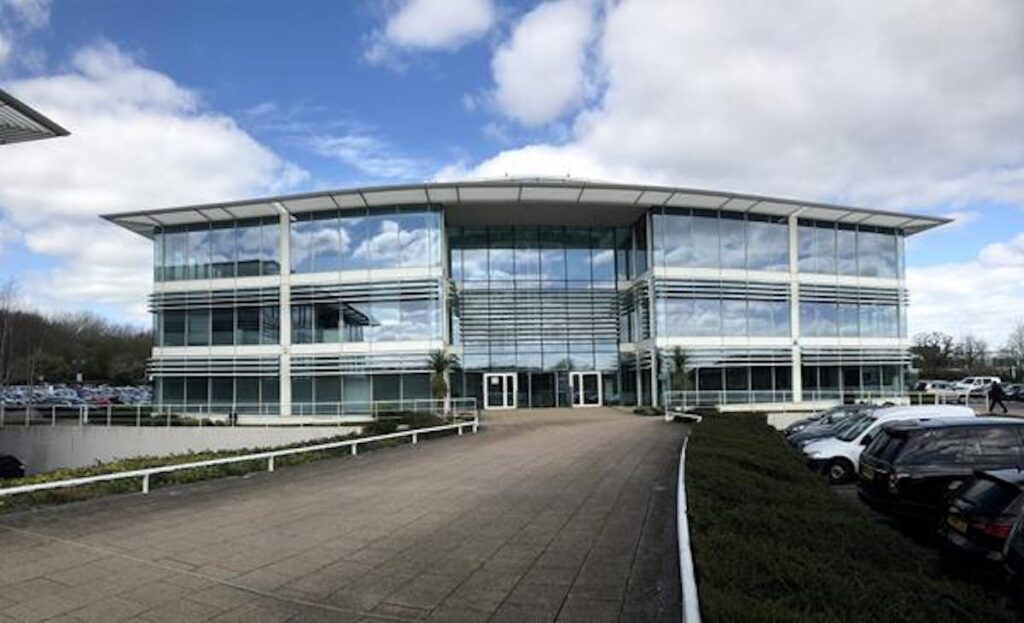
(772, 542)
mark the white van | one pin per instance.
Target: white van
(838, 456)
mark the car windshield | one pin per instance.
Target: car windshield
(851, 432)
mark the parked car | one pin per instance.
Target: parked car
(838, 456)
(974, 384)
(910, 467)
(1014, 392)
(1013, 556)
(981, 513)
(11, 467)
(826, 418)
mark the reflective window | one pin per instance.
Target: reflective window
(709, 239)
(360, 239)
(732, 240)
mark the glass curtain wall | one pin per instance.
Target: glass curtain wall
(217, 250)
(218, 326)
(366, 239)
(695, 238)
(541, 301)
(839, 248)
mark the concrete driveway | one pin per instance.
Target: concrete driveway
(545, 515)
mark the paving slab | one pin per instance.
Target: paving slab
(546, 515)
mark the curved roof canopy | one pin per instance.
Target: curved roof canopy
(20, 123)
(537, 201)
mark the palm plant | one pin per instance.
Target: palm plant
(441, 362)
(680, 361)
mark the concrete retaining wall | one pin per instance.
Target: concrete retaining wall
(44, 448)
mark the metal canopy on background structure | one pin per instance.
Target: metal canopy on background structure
(471, 202)
(20, 123)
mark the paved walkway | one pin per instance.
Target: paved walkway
(546, 515)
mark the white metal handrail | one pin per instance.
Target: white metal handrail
(268, 455)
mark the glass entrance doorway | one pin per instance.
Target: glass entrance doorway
(500, 389)
(586, 389)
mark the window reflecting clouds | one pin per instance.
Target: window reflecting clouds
(695, 238)
(217, 251)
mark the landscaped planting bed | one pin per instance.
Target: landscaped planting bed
(772, 542)
(132, 485)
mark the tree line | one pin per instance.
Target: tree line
(939, 355)
(55, 348)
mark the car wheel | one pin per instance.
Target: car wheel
(838, 471)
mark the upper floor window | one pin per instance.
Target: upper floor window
(845, 249)
(709, 239)
(363, 239)
(217, 250)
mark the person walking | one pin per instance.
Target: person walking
(995, 397)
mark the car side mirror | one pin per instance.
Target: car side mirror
(867, 439)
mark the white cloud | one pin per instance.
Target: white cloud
(961, 218)
(17, 19)
(540, 72)
(368, 154)
(430, 25)
(983, 297)
(889, 104)
(138, 140)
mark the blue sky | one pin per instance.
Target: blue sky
(912, 107)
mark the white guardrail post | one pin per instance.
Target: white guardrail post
(269, 456)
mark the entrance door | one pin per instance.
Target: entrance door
(500, 390)
(586, 389)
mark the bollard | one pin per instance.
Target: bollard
(270, 464)
(354, 451)
(414, 436)
(145, 483)
(110, 408)
(53, 415)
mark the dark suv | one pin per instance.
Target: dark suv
(981, 513)
(911, 467)
(11, 467)
(1013, 554)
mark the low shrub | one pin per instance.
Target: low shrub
(772, 542)
(132, 485)
(649, 411)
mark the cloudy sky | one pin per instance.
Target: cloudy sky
(908, 105)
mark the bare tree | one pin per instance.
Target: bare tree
(1015, 345)
(8, 297)
(933, 352)
(971, 351)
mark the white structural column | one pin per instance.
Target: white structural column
(796, 374)
(285, 313)
(651, 310)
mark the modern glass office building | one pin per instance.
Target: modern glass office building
(551, 292)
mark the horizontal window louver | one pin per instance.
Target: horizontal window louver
(161, 301)
(537, 315)
(717, 289)
(411, 361)
(214, 366)
(848, 294)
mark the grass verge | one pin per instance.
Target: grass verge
(132, 485)
(772, 543)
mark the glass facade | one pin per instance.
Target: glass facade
(366, 239)
(540, 304)
(694, 238)
(838, 248)
(218, 326)
(540, 300)
(218, 250)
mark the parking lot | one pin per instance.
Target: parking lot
(546, 515)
